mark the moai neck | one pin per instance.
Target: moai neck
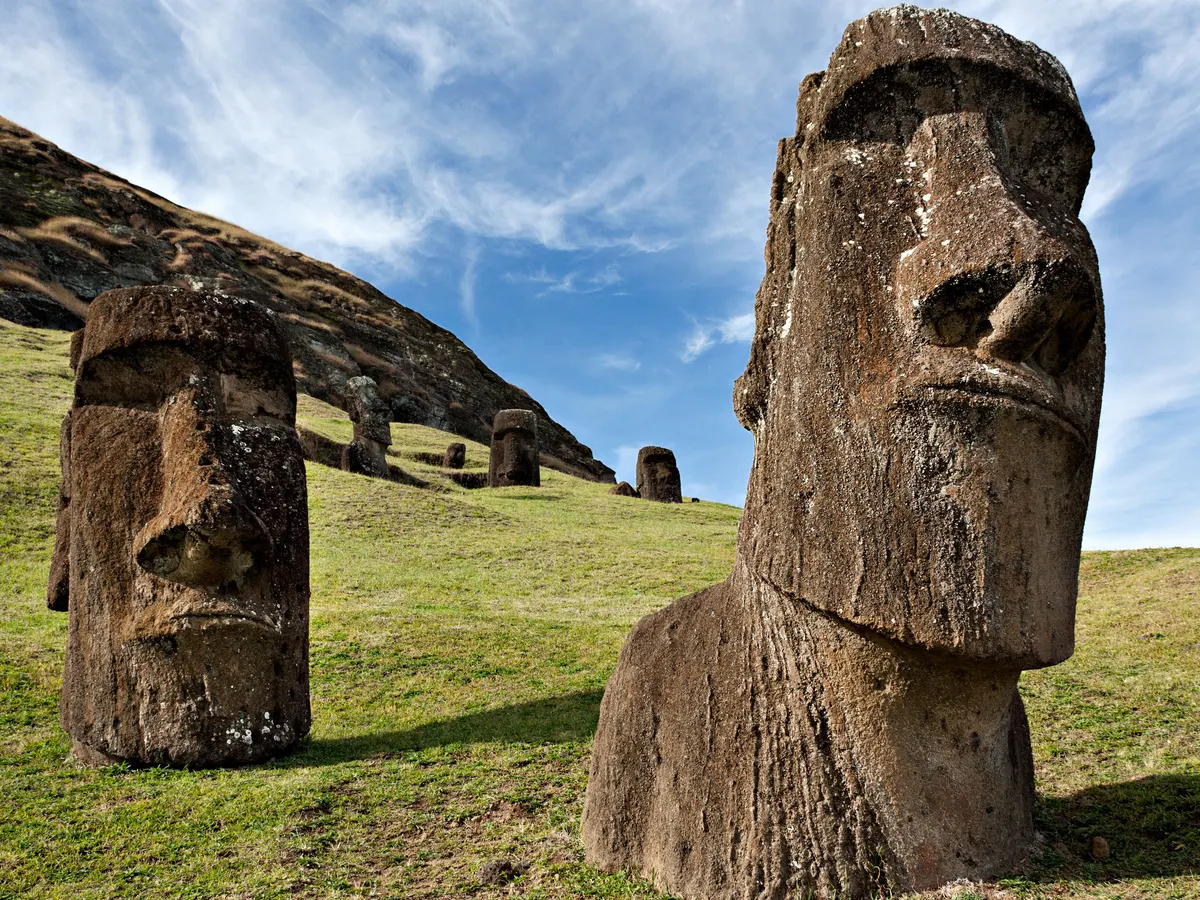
(938, 749)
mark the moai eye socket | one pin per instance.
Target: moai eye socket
(140, 377)
(251, 400)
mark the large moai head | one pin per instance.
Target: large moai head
(658, 475)
(182, 551)
(366, 454)
(514, 457)
(924, 381)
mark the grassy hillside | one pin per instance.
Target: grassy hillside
(460, 643)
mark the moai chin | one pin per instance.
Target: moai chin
(514, 456)
(455, 456)
(658, 475)
(182, 548)
(366, 454)
(841, 715)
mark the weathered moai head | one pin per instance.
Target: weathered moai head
(182, 547)
(514, 457)
(366, 454)
(924, 382)
(623, 489)
(658, 476)
(456, 456)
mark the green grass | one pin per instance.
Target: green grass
(460, 643)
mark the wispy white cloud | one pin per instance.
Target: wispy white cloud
(705, 335)
(617, 362)
(466, 286)
(574, 282)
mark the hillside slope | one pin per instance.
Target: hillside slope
(460, 644)
(70, 230)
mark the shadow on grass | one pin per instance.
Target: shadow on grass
(1152, 826)
(569, 718)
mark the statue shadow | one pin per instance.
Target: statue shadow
(1151, 826)
(553, 720)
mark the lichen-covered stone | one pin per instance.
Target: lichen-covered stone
(514, 456)
(182, 548)
(658, 475)
(840, 716)
(366, 454)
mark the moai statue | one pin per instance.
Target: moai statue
(841, 715)
(623, 489)
(367, 453)
(182, 546)
(658, 475)
(514, 458)
(456, 456)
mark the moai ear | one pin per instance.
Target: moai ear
(751, 390)
(58, 590)
(76, 349)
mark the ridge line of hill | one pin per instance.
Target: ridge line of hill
(70, 230)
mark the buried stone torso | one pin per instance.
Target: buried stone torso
(841, 715)
(185, 536)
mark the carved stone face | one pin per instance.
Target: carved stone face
(658, 475)
(924, 384)
(370, 415)
(186, 534)
(514, 453)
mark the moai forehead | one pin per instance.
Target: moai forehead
(226, 333)
(924, 381)
(648, 456)
(182, 552)
(520, 420)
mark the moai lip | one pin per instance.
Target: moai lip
(514, 455)
(658, 475)
(181, 553)
(840, 716)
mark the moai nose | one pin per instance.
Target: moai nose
(998, 268)
(205, 534)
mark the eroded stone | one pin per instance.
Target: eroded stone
(456, 456)
(658, 475)
(366, 454)
(182, 546)
(514, 456)
(840, 716)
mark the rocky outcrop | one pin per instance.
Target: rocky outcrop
(70, 230)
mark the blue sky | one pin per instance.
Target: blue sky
(579, 191)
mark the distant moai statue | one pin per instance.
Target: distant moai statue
(366, 454)
(840, 717)
(623, 489)
(181, 553)
(514, 457)
(456, 456)
(658, 475)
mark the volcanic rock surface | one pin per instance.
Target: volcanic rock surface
(70, 230)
